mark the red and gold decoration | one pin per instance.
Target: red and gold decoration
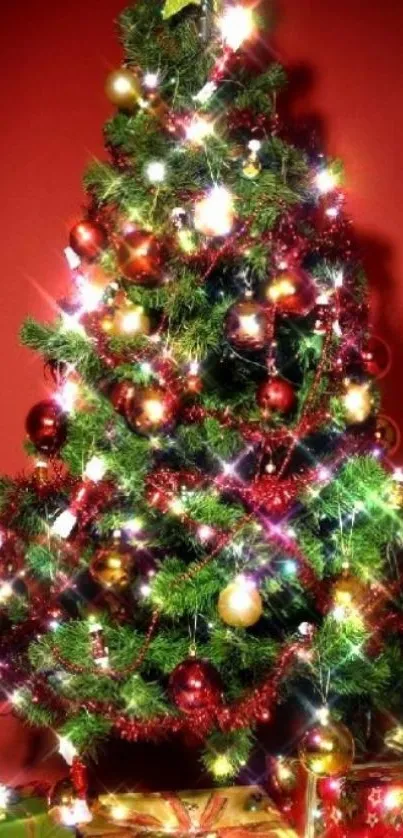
(357, 401)
(246, 325)
(122, 397)
(112, 568)
(387, 434)
(221, 812)
(153, 410)
(140, 258)
(351, 598)
(292, 291)
(126, 319)
(88, 239)
(327, 749)
(195, 686)
(240, 604)
(276, 395)
(123, 89)
(46, 426)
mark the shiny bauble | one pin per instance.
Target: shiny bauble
(240, 604)
(123, 89)
(153, 410)
(251, 168)
(376, 357)
(387, 434)
(327, 750)
(292, 291)
(112, 568)
(195, 686)
(122, 397)
(46, 426)
(246, 325)
(275, 396)
(140, 258)
(357, 402)
(127, 320)
(88, 239)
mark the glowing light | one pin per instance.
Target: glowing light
(205, 533)
(323, 715)
(90, 294)
(64, 524)
(393, 799)
(17, 698)
(398, 475)
(156, 171)
(77, 812)
(6, 592)
(214, 214)
(95, 469)
(199, 129)
(236, 25)
(326, 181)
(53, 625)
(145, 590)
(186, 241)
(67, 395)
(5, 796)
(357, 402)
(134, 526)
(254, 145)
(67, 750)
(249, 325)
(332, 212)
(71, 322)
(281, 288)
(222, 766)
(155, 410)
(151, 80)
(338, 279)
(290, 567)
(72, 258)
(132, 320)
(176, 506)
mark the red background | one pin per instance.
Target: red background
(54, 59)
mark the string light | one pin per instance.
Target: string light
(199, 129)
(95, 469)
(326, 181)
(156, 171)
(214, 214)
(67, 395)
(151, 80)
(236, 25)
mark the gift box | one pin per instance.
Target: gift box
(368, 803)
(238, 812)
(29, 819)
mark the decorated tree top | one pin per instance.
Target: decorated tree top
(209, 528)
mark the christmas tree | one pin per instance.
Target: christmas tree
(210, 528)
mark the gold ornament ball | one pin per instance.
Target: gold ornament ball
(127, 320)
(251, 168)
(357, 402)
(112, 568)
(123, 89)
(327, 750)
(350, 594)
(240, 605)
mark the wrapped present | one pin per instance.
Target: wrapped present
(367, 803)
(238, 812)
(28, 818)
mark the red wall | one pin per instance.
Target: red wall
(54, 59)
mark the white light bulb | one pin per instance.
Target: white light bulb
(90, 295)
(254, 145)
(155, 171)
(64, 524)
(214, 213)
(95, 469)
(325, 181)
(236, 25)
(67, 396)
(198, 129)
(205, 93)
(151, 80)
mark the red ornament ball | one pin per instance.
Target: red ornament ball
(153, 410)
(387, 434)
(246, 325)
(292, 291)
(195, 686)
(276, 395)
(46, 426)
(88, 239)
(140, 258)
(377, 357)
(122, 396)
